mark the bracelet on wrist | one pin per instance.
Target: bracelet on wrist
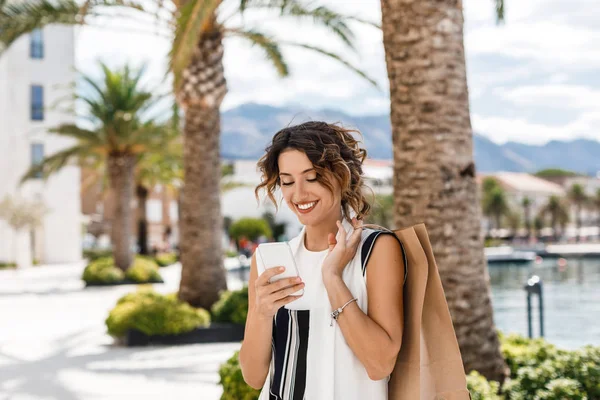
(335, 314)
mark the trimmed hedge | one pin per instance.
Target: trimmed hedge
(234, 386)
(154, 314)
(165, 259)
(231, 307)
(103, 270)
(8, 265)
(94, 254)
(539, 371)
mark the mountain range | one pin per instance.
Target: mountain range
(248, 129)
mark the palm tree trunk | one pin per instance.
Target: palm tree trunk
(142, 222)
(120, 172)
(433, 156)
(203, 88)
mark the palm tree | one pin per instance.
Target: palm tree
(526, 204)
(432, 139)
(558, 212)
(513, 219)
(578, 198)
(595, 200)
(495, 205)
(117, 137)
(196, 60)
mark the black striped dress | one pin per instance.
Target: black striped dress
(311, 359)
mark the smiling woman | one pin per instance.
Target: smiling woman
(329, 342)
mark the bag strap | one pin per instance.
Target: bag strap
(367, 247)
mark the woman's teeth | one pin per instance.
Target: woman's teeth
(306, 206)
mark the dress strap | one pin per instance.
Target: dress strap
(367, 247)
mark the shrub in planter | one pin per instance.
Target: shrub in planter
(164, 259)
(482, 389)
(94, 254)
(7, 265)
(231, 307)
(143, 270)
(154, 314)
(234, 387)
(102, 270)
(520, 351)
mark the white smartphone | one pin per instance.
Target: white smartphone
(279, 253)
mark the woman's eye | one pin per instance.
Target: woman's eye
(286, 184)
(312, 180)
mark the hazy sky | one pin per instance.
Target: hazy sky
(533, 79)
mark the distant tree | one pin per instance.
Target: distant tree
(556, 209)
(382, 212)
(495, 205)
(578, 198)
(513, 219)
(526, 203)
(538, 225)
(555, 173)
(595, 201)
(251, 228)
(489, 183)
(21, 214)
(277, 228)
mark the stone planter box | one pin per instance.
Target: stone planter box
(125, 282)
(217, 332)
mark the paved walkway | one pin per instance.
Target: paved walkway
(54, 345)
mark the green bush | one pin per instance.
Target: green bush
(231, 307)
(480, 388)
(102, 270)
(234, 386)
(94, 254)
(252, 228)
(231, 253)
(539, 370)
(165, 259)
(7, 265)
(143, 270)
(154, 314)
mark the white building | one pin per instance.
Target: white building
(34, 73)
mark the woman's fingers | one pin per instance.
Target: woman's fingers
(280, 294)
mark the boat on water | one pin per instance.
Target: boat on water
(502, 254)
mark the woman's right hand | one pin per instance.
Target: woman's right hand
(270, 297)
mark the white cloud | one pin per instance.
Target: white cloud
(553, 96)
(553, 41)
(502, 130)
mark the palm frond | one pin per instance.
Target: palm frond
(21, 17)
(194, 18)
(266, 43)
(91, 138)
(56, 162)
(333, 56)
(499, 10)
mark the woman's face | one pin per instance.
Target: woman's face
(300, 187)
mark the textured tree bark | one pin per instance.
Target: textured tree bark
(120, 172)
(203, 88)
(434, 171)
(142, 222)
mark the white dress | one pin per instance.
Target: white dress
(311, 359)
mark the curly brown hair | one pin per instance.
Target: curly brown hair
(334, 153)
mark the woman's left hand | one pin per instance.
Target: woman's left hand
(340, 253)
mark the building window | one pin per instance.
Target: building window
(37, 103)
(37, 156)
(154, 211)
(37, 44)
